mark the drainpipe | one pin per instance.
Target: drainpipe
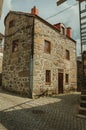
(32, 61)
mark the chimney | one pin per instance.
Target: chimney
(69, 32)
(35, 11)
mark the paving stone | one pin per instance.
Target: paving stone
(47, 113)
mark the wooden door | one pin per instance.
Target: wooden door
(60, 82)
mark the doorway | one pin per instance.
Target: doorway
(60, 83)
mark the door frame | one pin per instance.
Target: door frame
(60, 81)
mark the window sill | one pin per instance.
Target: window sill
(48, 83)
(66, 83)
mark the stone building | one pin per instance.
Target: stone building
(39, 58)
(1, 4)
(79, 74)
(1, 46)
(81, 71)
(1, 57)
(84, 67)
(82, 108)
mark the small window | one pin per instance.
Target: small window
(48, 76)
(67, 55)
(63, 30)
(66, 78)
(15, 45)
(11, 23)
(47, 47)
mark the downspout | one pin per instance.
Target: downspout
(33, 39)
(32, 61)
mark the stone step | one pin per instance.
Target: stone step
(83, 103)
(83, 97)
(82, 111)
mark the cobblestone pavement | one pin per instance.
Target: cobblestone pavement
(45, 113)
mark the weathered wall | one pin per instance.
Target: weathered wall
(79, 75)
(25, 74)
(84, 65)
(1, 4)
(55, 61)
(16, 65)
(0, 79)
(1, 60)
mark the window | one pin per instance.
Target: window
(47, 47)
(48, 76)
(63, 30)
(15, 45)
(66, 78)
(67, 55)
(11, 23)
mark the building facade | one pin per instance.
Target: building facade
(84, 68)
(79, 74)
(1, 4)
(39, 58)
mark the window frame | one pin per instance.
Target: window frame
(15, 45)
(48, 77)
(47, 46)
(66, 78)
(67, 54)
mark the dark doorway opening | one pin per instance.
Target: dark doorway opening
(60, 83)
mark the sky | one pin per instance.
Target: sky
(49, 11)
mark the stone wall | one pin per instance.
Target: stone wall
(1, 60)
(24, 70)
(54, 61)
(79, 75)
(81, 72)
(84, 65)
(17, 65)
(0, 79)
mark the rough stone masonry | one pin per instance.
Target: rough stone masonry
(27, 68)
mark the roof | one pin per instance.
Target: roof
(38, 17)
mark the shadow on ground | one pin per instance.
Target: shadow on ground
(60, 114)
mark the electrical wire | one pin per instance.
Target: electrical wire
(61, 11)
(45, 19)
